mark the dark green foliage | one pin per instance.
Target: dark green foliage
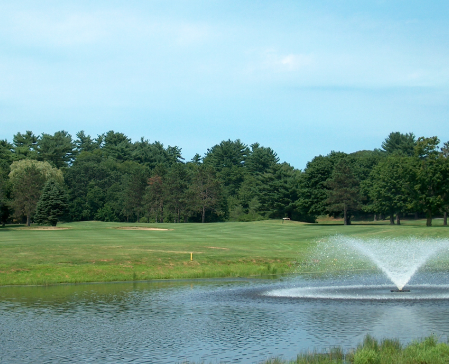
(228, 160)
(313, 188)
(429, 177)
(343, 194)
(58, 149)
(84, 143)
(52, 204)
(6, 157)
(389, 186)
(205, 191)
(111, 178)
(25, 146)
(278, 191)
(397, 143)
(260, 159)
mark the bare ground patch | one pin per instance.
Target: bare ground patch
(216, 247)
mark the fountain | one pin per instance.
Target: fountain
(398, 259)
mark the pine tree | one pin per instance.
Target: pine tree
(52, 204)
(343, 194)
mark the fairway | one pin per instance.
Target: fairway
(103, 252)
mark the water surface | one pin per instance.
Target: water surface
(207, 320)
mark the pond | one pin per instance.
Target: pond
(218, 320)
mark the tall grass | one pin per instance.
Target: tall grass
(372, 351)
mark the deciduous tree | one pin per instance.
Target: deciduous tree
(27, 178)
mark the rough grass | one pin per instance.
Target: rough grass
(372, 351)
(102, 252)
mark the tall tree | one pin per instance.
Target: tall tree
(58, 149)
(52, 204)
(399, 143)
(429, 177)
(156, 193)
(260, 159)
(313, 187)
(204, 191)
(84, 143)
(177, 184)
(343, 194)
(444, 155)
(25, 146)
(27, 178)
(134, 191)
(117, 146)
(228, 159)
(389, 186)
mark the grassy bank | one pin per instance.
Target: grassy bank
(99, 251)
(426, 351)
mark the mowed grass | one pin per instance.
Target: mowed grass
(102, 252)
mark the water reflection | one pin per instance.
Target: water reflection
(180, 321)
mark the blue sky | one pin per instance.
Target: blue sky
(301, 77)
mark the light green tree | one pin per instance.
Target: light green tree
(28, 178)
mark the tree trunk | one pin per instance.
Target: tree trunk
(416, 216)
(344, 215)
(445, 218)
(28, 220)
(391, 219)
(203, 215)
(375, 217)
(429, 218)
(398, 219)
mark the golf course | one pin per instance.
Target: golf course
(105, 252)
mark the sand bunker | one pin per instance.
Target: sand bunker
(140, 228)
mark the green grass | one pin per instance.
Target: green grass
(99, 252)
(426, 351)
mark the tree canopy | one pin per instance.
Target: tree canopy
(111, 178)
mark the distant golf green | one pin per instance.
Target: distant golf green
(102, 252)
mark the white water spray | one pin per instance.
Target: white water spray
(399, 259)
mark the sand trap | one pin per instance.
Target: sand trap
(216, 247)
(140, 228)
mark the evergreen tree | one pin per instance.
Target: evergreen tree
(52, 204)
(399, 143)
(343, 194)
(58, 149)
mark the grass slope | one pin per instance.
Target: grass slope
(100, 251)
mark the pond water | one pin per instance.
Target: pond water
(213, 321)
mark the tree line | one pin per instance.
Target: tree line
(50, 177)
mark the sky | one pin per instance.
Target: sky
(301, 77)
